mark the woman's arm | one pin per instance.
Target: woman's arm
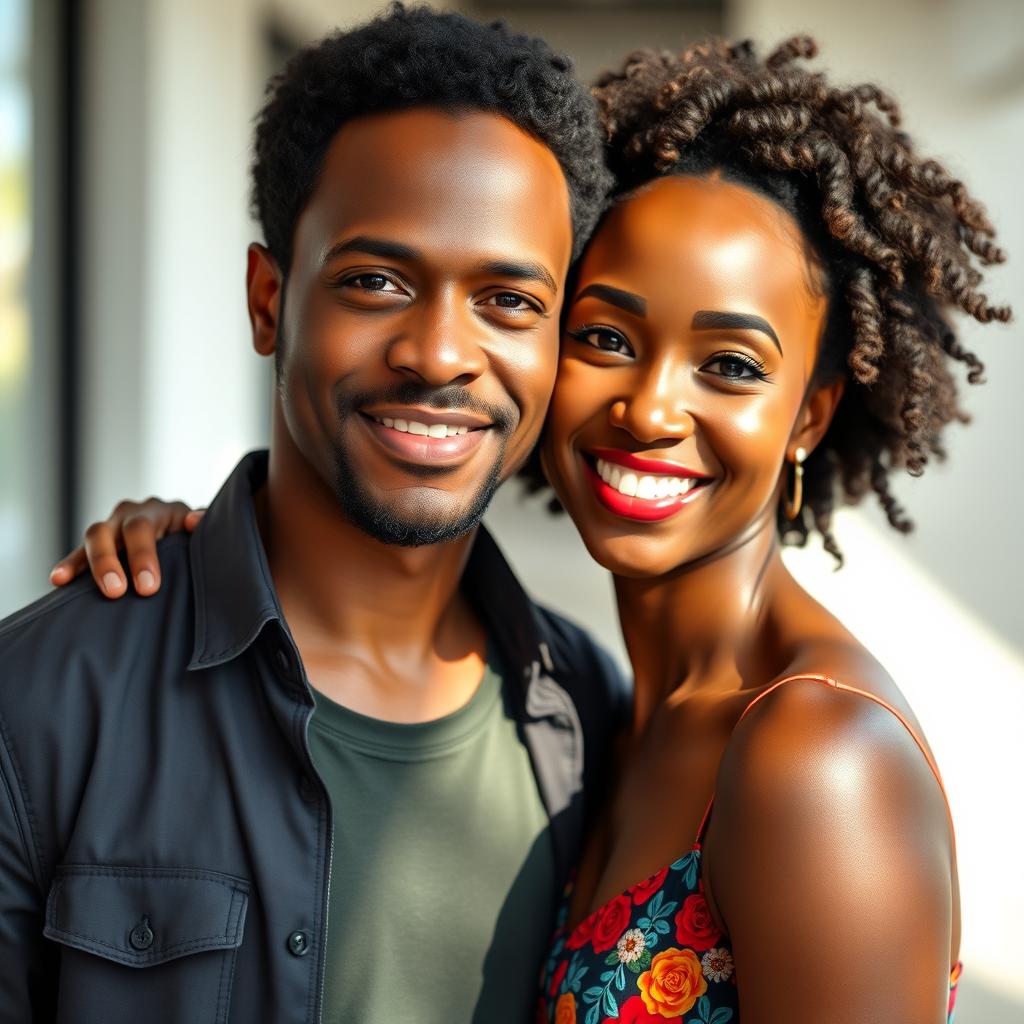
(830, 860)
(134, 527)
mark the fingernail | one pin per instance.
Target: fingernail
(111, 583)
(56, 573)
(145, 580)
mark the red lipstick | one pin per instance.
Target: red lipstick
(644, 510)
(642, 465)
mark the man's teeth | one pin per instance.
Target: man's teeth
(650, 487)
(421, 429)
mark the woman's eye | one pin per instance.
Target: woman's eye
(736, 367)
(606, 339)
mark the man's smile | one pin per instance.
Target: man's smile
(429, 438)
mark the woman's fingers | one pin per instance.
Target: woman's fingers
(136, 527)
(101, 553)
(194, 518)
(140, 537)
(70, 566)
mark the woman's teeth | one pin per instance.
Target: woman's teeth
(422, 429)
(650, 487)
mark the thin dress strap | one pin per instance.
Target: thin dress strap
(836, 685)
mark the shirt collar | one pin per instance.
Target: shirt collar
(235, 597)
(233, 590)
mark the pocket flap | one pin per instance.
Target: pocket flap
(145, 916)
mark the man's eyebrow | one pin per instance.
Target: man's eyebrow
(629, 301)
(521, 272)
(710, 319)
(382, 247)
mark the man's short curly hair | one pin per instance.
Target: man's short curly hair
(409, 57)
(898, 239)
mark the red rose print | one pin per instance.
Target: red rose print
(643, 891)
(556, 980)
(633, 1011)
(612, 921)
(695, 927)
(581, 934)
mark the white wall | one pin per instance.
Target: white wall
(172, 387)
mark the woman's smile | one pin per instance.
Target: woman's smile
(645, 490)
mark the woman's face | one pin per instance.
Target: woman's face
(691, 338)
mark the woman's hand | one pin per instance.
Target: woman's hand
(134, 527)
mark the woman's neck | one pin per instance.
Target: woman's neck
(701, 627)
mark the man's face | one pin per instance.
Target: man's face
(420, 326)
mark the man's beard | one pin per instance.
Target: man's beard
(381, 520)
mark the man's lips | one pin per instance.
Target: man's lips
(645, 490)
(419, 439)
(426, 416)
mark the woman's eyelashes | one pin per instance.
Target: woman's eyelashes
(604, 339)
(736, 367)
(733, 367)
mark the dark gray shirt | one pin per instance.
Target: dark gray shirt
(165, 841)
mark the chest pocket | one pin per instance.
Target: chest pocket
(152, 944)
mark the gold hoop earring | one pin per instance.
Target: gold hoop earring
(794, 504)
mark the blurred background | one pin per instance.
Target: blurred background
(125, 365)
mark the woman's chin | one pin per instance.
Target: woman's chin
(633, 555)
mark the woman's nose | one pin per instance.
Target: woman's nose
(657, 409)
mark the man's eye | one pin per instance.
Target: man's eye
(509, 300)
(370, 283)
(606, 339)
(733, 366)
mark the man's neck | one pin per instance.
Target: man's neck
(382, 629)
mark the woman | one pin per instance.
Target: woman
(758, 324)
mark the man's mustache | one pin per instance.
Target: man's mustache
(452, 397)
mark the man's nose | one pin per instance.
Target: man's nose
(442, 345)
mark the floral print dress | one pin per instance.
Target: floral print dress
(650, 955)
(654, 955)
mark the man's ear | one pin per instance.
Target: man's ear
(264, 283)
(815, 416)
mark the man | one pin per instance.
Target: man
(334, 769)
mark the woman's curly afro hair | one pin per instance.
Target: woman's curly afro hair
(409, 57)
(899, 240)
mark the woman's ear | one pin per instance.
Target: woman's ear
(815, 416)
(263, 282)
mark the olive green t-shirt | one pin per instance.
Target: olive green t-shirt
(443, 879)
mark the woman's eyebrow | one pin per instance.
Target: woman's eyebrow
(711, 319)
(629, 301)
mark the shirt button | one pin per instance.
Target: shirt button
(298, 943)
(141, 936)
